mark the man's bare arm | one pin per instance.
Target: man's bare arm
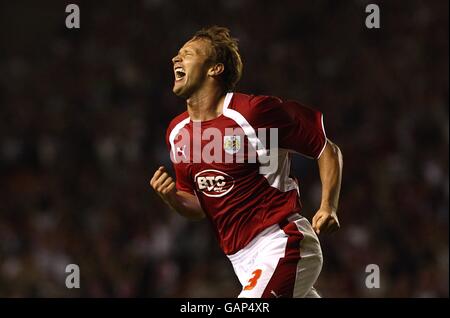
(182, 202)
(330, 168)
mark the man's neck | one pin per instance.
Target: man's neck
(206, 105)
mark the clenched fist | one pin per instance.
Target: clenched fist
(325, 221)
(163, 184)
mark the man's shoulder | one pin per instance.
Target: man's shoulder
(251, 101)
(179, 119)
(254, 106)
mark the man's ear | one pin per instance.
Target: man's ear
(216, 69)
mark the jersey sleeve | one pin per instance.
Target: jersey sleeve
(182, 179)
(183, 182)
(300, 128)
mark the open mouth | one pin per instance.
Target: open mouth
(179, 73)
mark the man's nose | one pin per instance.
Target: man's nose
(176, 59)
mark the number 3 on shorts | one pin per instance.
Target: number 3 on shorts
(252, 281)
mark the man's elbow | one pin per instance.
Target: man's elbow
(335, 150)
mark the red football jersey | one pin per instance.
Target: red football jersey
(237, 198)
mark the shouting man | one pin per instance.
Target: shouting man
(227, 172)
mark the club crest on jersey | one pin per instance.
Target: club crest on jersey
(214, 183)
(231, 144)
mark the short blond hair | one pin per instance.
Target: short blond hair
(225, 51)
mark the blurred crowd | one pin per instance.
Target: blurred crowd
(83, 115)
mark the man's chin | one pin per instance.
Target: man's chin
(176, 90)
(179, 91)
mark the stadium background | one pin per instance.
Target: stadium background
(83, 115)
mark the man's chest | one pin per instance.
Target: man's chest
(220, 145)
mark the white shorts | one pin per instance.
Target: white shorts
(282, 261)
